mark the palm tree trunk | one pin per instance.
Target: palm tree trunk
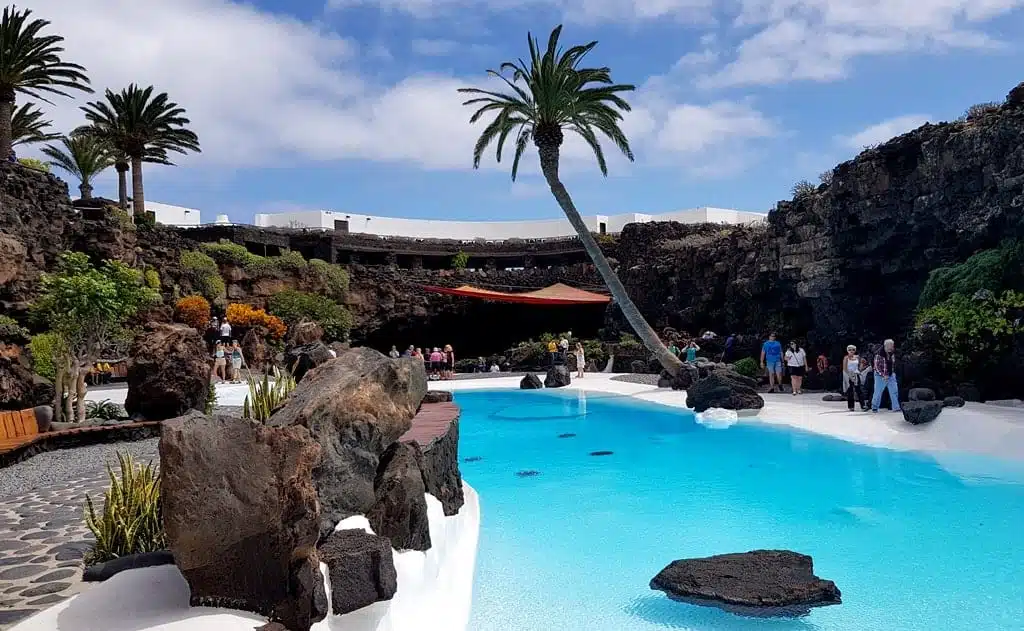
(6, 133)
(122, 184)
(86, 190)
(80, 392)
(549, 166)
(138, 197)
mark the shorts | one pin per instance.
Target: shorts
(436, 365)
(797, 371)
(220, 361)
(236, 364)
(774, 365)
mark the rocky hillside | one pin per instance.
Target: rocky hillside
(845, 262)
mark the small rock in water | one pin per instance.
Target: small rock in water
(528, 473)
(601, 453)
(567, 435)
(472, 459)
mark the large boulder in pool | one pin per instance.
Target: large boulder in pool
(921, 412)
(557, 377)
(531, 382)
(168, 373)
(355, 406)
(724, 389)
(241, 516)
(761, 582)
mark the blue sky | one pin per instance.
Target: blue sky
(351, 104)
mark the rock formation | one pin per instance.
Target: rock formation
(761, 582)
(557, 377)
(921, 412)
(400, 510)
(19, 388)
(441, 464)
(724, 389)
(241, 516)
(361, 569)
(355, 406)
(301, 359)
(530, 382)
(168, 372)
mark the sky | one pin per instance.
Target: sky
(351, 105)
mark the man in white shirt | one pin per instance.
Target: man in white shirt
(225, 332)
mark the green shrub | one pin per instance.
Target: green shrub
(295, 306)
(34, 163)
(229, 253)
(803, 188)
(11, 331)
(130, 519)
(973, 334)
(747, 367)
(204, 274)
(153, 279)
(333, 277)
(460, 260)
(628, 341)
(104, 410)
(265, 396)
(997, 270)
(45, 348)
(124, 219)
(290, 260)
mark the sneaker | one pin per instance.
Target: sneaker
(850, 409)
(874, 411)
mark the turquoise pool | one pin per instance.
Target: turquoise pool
(573, 547)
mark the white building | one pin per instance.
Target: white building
(173, 215)
(489, 230)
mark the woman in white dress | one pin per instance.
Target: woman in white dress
(796, 361)
(579, 360)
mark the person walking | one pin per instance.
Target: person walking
(579, 360)
(691, 351)
(771, 360)
(236, 362)
(730, 342)
(436, 363)
(219, 362)
(796, 361)
(853, 386)
(225, 332)
(885, 377)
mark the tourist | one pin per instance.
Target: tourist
(771, 360)
(691, 351)
(796, 362)
(225, 332)
(579, 360)
(212, 334)
(219, 362)
(409, 351)
(236, 362)
(495, 367)
(885, 377)
(708, 335)
(418, 354)
(822, 364)
(449, 362)
(867, 382)
(563, 346)
(436, 363)
(852, 383)
(672, 348)
(393, 353)
(552, 351)
(730, 342)
(481, 364)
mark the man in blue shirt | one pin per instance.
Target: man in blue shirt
(771, 359)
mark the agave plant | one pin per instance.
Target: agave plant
(130, 521)
(266, 395)
(104, 410)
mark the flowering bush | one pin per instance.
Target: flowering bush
(245, 316)
(193, 311)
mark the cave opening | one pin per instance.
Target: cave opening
(477, 328)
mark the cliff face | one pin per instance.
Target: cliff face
(848, 261)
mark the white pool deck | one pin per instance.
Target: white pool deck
(977, 428)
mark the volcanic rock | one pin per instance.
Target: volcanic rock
(761, 582)
(254, 349)
(355, 406)
(20, 389)
(921, 412)
(241, 516)
(724, 389)
(441, 468)
(437, 396)
(953, 402)
(168, 373)
(301, 359)
(400, 512)
(557, 377)
(688, 374)
(305, 333)
(361, 568)
(530, 382)
(921, 394)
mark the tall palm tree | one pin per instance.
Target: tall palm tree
(141, 126)
(30, 63)
(82, 156)
(28, 126)
(549, 95)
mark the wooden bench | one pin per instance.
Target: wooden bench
(17, 429)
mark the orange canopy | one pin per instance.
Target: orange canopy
(557, 294)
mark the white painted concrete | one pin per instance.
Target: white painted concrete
(174, 215)
(434, 591)
(490, 230)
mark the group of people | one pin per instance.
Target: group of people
(439, 362)
(559, 354)
(224, 348)
(863, 380)
(688, 351)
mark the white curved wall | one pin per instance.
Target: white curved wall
(435, 590)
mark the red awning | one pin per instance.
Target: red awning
(557, 294)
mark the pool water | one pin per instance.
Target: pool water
(574, 546)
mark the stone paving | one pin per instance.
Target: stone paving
(42, 541)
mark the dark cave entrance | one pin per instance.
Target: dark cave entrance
(477, 328)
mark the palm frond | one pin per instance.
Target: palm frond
(30, 62)
(28, 126)
(82, 156)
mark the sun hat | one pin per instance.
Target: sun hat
(851, 347)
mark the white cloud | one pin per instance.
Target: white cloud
(577, 10)
(267, 90)
(433, 47)
(883, 131)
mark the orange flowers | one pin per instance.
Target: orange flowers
(241, 315)
(193, 311)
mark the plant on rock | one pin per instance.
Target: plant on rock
(460, 260)
(266, 395)
(11, 331)
(203, 274)
(105, 410)
(244, 316)
(193, 311)
(996, 270)
(296, 306)
(34, 163)
(129, 521)
(747, 367)
(333, 277)
(30, 63)
(547, 96)
(87, 309)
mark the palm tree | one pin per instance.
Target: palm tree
(28, 126)
(30, 63)
(142, 127)
(548, 96)
(82, 156)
